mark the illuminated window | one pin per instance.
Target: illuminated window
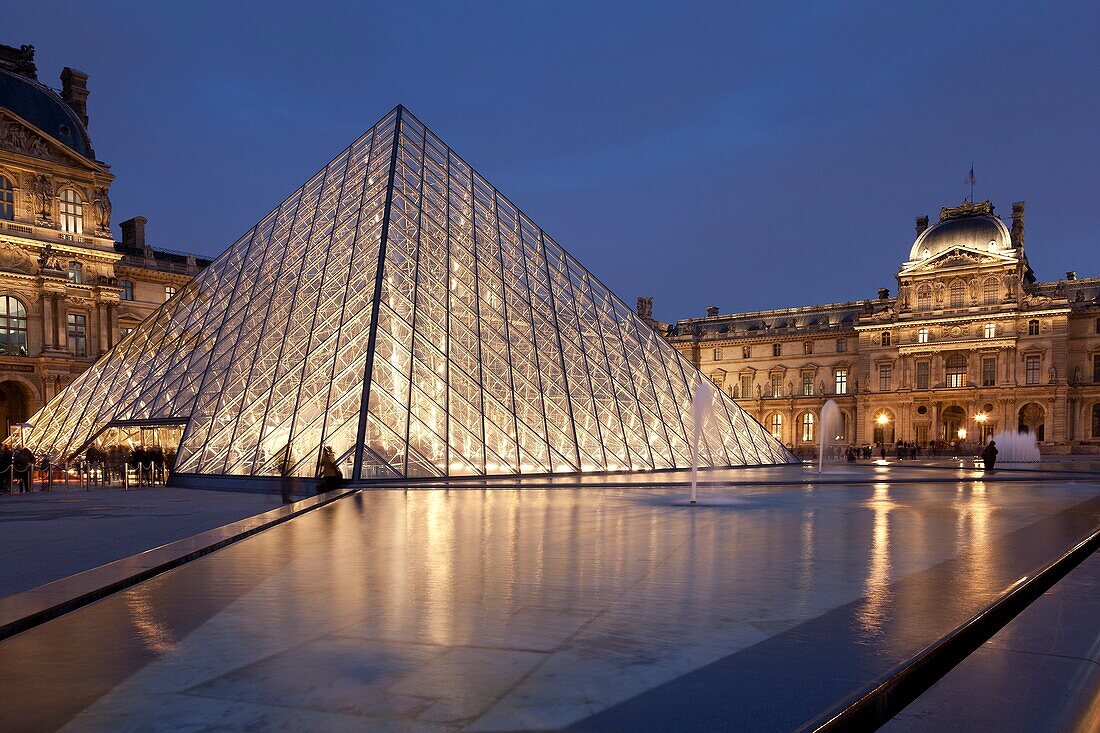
(1033, 328)
(807, 425)
(13, 326)
(990, 330)
(958, 294)
(76, 273)
(840, 381)
(885, 376)
(922, 336)
(989, 371)
(127, 289)
(777, 385)
(775, 425)
(718, 355)
(777, 349)
(956, 370)
(1031, 371)
(885, 338)
(7, 199)
(72, 212)
(808, 384)
(169, 291)
(924, 298)
(991, 291)
(923, 372)
(125, 331)
(78, 334)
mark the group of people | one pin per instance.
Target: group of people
(16, 469)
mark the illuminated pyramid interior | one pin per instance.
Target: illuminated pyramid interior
(399, 310)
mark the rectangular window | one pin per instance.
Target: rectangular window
(746, 352)
(1096, 368)
(127, 289)
(746, 386)
(922, 435)
(777, 349)
(841, 346)
(777, 385)
(718, 355)
(922, 336)
(922, 375)
(885, 338)
(1032, 328)
(990, 330)
(78, 334)
(808, 384)
(808, 347)
(885, 374)
(169, 291)
(1031, 371)
(840, 380)
(989, 371)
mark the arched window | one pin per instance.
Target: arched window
(13, 326)
(127, 289)
(775, 425)
(956, 370)
(958, 294)
(1096, 420)
(807, 424)
(7, 199)
(72, 212)
(76, 273)
(924, 298)
(991, 291)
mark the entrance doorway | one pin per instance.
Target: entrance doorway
(1032, 417)
(14, 407)
(952, 421)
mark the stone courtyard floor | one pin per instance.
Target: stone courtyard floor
(45, 536)
(615, 607)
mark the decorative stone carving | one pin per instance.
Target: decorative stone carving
(14, 258)
(19, 139)
(645, 305)
(101, 211)
(43, 199)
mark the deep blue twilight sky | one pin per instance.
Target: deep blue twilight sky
(744, 155)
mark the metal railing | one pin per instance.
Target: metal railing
(22, 478)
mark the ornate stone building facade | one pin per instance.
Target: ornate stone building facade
(972, 344)
(68, 291)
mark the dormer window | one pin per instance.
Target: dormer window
(76, 273)
(72, 212)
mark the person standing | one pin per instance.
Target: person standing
(5, 469)
(331, 478)
(989, 455)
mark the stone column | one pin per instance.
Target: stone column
(101, 326)
(62, 317)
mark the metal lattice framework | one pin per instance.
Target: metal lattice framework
(399, 310)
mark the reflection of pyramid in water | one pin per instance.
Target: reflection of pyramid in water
(490, 350)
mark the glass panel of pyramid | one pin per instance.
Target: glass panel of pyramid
(398, 310)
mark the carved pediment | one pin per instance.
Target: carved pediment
(14, 258)
(19, 136)
(958, 257)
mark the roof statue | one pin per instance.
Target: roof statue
(401, 311)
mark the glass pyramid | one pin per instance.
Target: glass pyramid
(400, 311)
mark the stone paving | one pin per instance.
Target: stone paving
(45, 536)
(596, 609)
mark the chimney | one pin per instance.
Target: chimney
(712, 310)
(884, 293)
(922, 224)
(1071, 275)
(1018, 224)
(74, 90)
(19, 61)
(133, 231)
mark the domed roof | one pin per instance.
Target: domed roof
(44, 108)
(971, 225)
